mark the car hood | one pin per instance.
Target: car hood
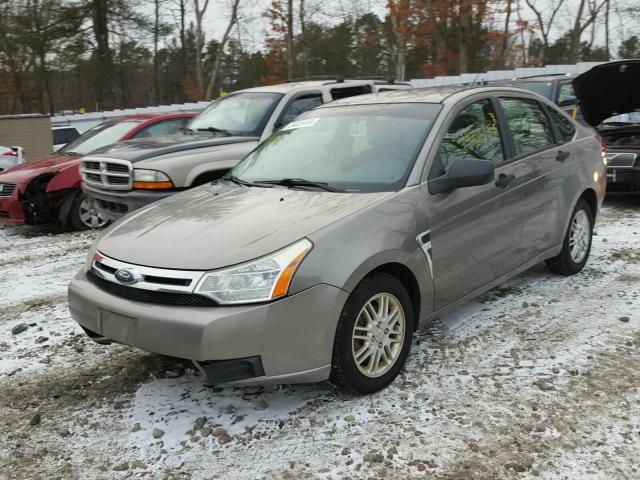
(221, 225)
(145, 148)
(25, 172)
(608, 89)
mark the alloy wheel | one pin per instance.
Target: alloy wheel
(378, 335)
(579, 236)
(90, 215)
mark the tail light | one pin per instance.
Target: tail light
(603, 151)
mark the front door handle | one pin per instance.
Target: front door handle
(504, 180)
(562, 155)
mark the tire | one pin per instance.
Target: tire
(346, 373)
(84, 215)
(572, 259)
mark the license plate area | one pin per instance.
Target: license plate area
(118, 327)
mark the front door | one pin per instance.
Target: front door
(475, 231)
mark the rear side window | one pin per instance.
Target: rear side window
(345, 92)
(473, 133)
(64, 135)
(528, 124)
(565, 127)
(161, 128)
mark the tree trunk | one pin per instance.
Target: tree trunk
(397, 24)
(289, 35)
(303, 37)
(105, 92)
(607, 39)
(213, 80)
(156, 39)
(575, 33)
(505, 39)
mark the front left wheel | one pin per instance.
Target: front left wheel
(373, 336)
(85, 215)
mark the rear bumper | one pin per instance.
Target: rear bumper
(114, 205)
(286, 341)
(11, 211)
(623, 181)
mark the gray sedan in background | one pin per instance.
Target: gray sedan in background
(320, 253)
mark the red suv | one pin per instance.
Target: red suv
(48, 190)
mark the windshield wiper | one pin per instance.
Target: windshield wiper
(620, 124)
(77, 154)
(300, 182)
(215, 130)
(239, 181)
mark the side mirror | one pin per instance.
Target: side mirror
(467, 172)
(568, 102)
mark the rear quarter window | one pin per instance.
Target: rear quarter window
(529, 125)
(564, 125)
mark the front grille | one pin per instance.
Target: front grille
(151, 296)
(113, 206)
(110, 174)
(6, 189)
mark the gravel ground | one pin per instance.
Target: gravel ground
(538, 378)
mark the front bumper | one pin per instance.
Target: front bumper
(623, 181)
(114, 205)
(11, 208)
(293, 337)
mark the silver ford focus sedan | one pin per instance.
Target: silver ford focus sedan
(319, 255)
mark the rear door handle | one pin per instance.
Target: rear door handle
(504, 180)
(562, 155)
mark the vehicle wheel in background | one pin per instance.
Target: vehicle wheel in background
(85, 215)
(373, 336)
(577, 242)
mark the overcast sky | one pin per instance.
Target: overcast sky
(254, 26)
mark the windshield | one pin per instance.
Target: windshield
(356, 148)
(240, 113)
(104, 134)
(543, 88)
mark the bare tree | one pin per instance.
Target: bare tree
(580, 24)
(200, 10)
(545, 24)
(233, 20)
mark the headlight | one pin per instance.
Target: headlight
(151, 179)
(260, 280)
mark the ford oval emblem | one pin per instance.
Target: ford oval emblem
(126, 276)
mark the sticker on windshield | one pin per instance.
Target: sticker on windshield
(307, 122)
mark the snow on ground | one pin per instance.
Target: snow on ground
(538, 379)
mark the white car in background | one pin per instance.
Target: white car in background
(10, 156)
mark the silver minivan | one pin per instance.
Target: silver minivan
(319, 255)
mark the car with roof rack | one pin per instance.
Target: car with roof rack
(47, 191)
(126, 176)
(319, 254)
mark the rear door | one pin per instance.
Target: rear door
(544, 160)
(476, 232)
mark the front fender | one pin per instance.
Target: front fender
(68, 178)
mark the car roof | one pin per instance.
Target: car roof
(420, 95)
(544, 78)
(61, 127)
(285, 88)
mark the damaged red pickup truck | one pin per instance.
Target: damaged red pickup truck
(48, 190)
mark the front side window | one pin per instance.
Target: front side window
(104, 134)
(473, 133)
(363, 148)
(161, 128)
(239, 113)
(528, 124)
(298, 106)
